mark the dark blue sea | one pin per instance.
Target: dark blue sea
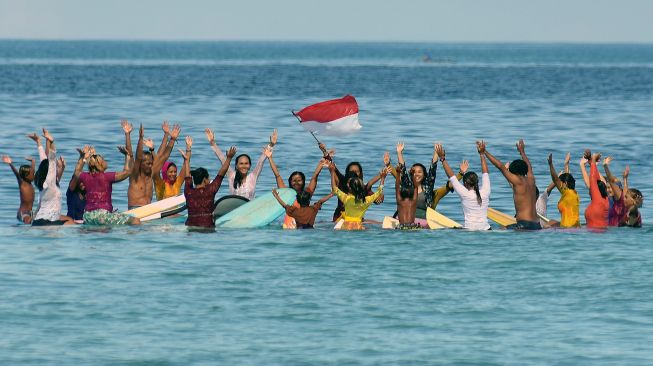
(161, 295)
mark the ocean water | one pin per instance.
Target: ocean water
(159, 294)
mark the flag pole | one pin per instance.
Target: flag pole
(312, 134)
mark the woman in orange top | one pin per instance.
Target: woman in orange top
(596, 214)
(569, 203)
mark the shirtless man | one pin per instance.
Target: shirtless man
(406, 193)
(140, 188)
(520, 176)
(24, 176)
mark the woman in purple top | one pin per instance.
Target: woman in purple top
(98, 183)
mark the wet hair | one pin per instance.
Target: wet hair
(238, 178)
(636, 193)
(537, 193)
(568, 179)
(41, 174)
(23, 171)
(518, 167)
(470, 179)
(199, 175)
(294, 174)
(423, 170)
(360, 168)
(94, 162)
(406, 192)
(303, 198)
(344, 186)
(602, 188)
(357, 188)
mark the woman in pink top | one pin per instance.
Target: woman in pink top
(242, 182)
(98, 183)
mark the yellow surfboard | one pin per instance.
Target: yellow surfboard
(500, 218)
(437, 220)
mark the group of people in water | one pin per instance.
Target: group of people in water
(151, 173)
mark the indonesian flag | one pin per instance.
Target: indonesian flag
(337, 117)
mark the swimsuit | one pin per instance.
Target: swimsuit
(525, 225)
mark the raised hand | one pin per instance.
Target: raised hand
(123, 150)
(386, 158)
(165, 127)
(607, 160)
(62, 162)
(550, 159)
(626, 171)
(148, 143)
(480, 147)
(231, 152)
(587, 154)
(464, 166)
(6, 159)
(520, 145)
(176, 130)
(274, 137)
(596, 157)
(584, 161)
(268, 151)
(209, 135)
(47, 136)
(141, 131)
(440, 151)
(29, 158)
(383, 172)
(189, 142)
(126, 126)
(400, 147)
(184, 154)
(567, 158)
(35, 138)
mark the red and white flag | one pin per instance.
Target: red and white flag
(337, 117)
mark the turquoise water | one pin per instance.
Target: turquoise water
(159, 294)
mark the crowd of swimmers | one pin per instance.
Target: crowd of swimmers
(151, 173)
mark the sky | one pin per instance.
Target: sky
(602, 21)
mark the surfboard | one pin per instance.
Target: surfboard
(437, 220)
(158, 207)
(226, 204)
(258, 212)
(389, 222)
(500, 218)
(164, 214)
(338, 224)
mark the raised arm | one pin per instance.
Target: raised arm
(136, 171)
(84, 154)
(7, 160)
(616, 191)
(166, 136)
(186, 166)
(42, 154)
(227, 163)
(587, 155)
(268, 153)
(554, 174)
(276, 195)
(567, 160)
(61, 166)
(625, 178)
(165, 155)
(124, 174)
(388, 164)
(128, 128)
(521, 147)
(502, 168)
(312, 185)
(325, 198)
(594, 176)
(480, 147)
(443, 158)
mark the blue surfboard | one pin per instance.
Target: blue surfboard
(258, 212)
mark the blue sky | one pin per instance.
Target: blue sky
(332, 20)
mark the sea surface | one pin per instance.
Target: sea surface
(161, 295)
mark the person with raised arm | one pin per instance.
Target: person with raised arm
(475, 199)
(141, 183)
(242, 181)
(447, 188)
(357, 201)
(304, 214)
(627, 201)
(296, 181)
(167, 182)
(99, 185)
(406, 193)
(520, 176)
(543, 198)
(199, 191)
(569, 203)
(24, 176)
(596, 213)
(76, 192)
(45, 179)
